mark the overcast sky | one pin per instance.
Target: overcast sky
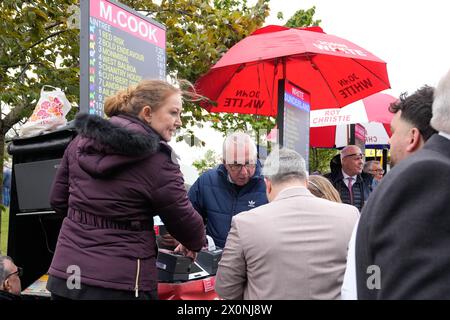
(412, 36)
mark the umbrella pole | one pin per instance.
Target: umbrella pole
(385, 157)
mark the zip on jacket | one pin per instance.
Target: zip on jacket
(138, 271)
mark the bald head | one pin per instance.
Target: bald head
(352, 160)
(349, 150)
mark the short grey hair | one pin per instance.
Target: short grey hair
(368, 165)
(441, 105)
(283, 165)
(240, 140)
(3, 271)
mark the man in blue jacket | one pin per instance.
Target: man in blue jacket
(234, 186)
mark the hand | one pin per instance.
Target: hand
(185, 252)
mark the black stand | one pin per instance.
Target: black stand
(33, 226)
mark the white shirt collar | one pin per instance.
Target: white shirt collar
(445, 135)
(346, 176)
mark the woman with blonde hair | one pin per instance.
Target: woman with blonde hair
(321, 187)
(114, 177)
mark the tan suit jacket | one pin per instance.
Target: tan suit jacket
(292, 248)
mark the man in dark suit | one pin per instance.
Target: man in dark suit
(353, 185)
(403, 234)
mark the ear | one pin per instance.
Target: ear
(415, 140)
(146, 114)
(268, 185)
(7, 286)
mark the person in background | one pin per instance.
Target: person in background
(410, 129)
(374, 168)
(410, 126)
(6, 186)
(234, 186)
(10, 284)
(294, 247)
(114, 177)
(321, 187)
(353, 185)
(403, 229)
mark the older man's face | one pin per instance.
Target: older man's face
(353, 161)
(12, 282)
(240, 164)
(376, 170)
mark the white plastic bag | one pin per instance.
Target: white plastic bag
(50, 112)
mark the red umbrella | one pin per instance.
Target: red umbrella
(335, 71)
(329, 126)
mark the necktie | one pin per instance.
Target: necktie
(349, 185)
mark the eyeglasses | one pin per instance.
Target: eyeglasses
(377, 171)
(355, 156)
(19, 273)
(238, 167)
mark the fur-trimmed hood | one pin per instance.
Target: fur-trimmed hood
(104, 146)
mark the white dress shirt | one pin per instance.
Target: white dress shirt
(348, 290)
(346, 176)
(445, 135)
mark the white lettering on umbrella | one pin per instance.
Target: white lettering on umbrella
(338, 47)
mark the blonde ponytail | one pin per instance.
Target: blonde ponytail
(117, 103)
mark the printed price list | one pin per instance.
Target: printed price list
(116, 62)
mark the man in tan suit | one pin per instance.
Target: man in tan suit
(294, 247)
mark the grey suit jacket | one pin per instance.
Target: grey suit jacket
(292, 248)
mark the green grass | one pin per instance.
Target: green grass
(4, 232)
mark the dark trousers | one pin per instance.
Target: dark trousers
(59, 291)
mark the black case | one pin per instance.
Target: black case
(173, 263)
(209, 260)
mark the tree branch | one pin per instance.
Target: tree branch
(45, 39)
(25, 68)
(13, 117)
(14, 65)
(179, 11)
(54, 24)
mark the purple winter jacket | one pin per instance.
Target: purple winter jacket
(114, 177)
